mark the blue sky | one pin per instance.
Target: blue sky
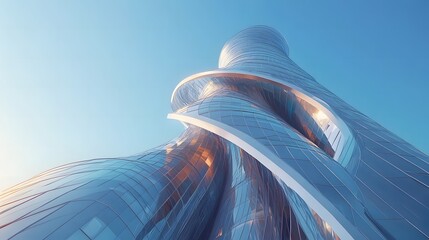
(88, 79)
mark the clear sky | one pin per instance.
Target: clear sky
(88, 79)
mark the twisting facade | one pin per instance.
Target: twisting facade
(268, 153)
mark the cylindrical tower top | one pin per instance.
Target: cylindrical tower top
(254, 43)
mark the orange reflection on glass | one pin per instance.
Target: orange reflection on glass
(320, 116)
(209, 161)
(168, 149)
(209, 88)
(219, 233)
(325, 228)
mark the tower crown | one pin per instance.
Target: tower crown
(254, 43)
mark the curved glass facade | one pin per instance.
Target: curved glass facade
(268, 153)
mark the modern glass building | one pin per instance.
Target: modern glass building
(268, 153)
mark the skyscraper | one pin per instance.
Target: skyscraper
(268, 153)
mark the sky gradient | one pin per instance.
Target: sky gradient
(90, 79)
